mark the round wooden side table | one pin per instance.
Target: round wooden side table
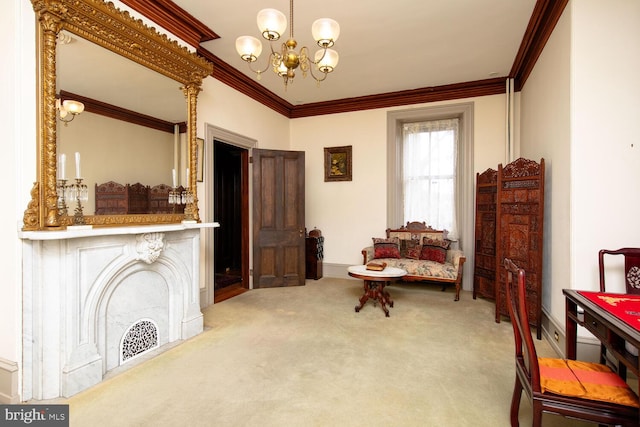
(374, 283)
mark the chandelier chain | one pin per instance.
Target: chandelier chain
(291, 19)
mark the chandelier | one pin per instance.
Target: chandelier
(272, 24)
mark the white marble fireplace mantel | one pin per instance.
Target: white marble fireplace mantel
(73, 233)
(94, 299)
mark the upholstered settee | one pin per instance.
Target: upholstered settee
(425, 254)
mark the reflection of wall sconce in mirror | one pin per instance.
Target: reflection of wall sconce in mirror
(69, 109)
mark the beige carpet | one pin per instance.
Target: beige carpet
(302, 356)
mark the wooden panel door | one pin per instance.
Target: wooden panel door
(278, 218)
(520, 218)
(484, 269)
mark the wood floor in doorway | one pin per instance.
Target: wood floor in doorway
(227, 292)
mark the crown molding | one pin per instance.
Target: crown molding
(174, 19)
(108, 110)
(543, 20)
(406, 97)
(243, 84)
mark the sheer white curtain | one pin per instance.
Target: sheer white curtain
(430, 152)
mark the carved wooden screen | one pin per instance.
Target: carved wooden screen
(138, 198)
(520, 215)
(112, 198)
(159, 199)
(484, 270)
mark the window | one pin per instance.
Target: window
(429, 164)
(463, 184)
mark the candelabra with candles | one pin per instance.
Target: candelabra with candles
(80, 193)
(184, 197)
(187, 200)
(61, 189)
(179, 196)
(77, 191)
(175, 198)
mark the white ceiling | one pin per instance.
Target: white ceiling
(383, 46)
(414, 44)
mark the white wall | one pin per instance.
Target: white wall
(580, 111)
(348, 213)
(18, 122)
(228, 109)
(351, 213)
(605, 146)
(545, 126)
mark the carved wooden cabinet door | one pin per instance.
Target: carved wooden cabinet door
(484, 269)
(519, 218)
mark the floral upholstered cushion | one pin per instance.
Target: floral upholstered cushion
(409, 245)
(414, 253)
(422, 268)
(445, 244)
(386, 248)
(433, 253)
(434, 249)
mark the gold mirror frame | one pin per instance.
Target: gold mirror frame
(105, 25)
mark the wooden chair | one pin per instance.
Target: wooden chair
(631, 281)
(544, 387)
(631, 268)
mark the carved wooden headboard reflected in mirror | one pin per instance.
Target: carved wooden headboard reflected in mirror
(105, 25)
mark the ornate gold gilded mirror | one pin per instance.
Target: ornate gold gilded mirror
(106, 26)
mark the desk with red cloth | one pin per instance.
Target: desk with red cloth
(612, 318)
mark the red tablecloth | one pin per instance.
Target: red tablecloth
(624, 306)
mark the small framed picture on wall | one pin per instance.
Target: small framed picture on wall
(337, 163)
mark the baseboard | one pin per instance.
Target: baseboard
(554, 334)
(9, 382)
(338, 271)
(204, 298)
(588, 346)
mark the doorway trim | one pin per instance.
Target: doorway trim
(216, 133)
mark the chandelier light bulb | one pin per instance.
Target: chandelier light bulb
(272, 23)
(325, 31)
(249, 48)
(281, 69)
(73, 107)
(328, 62)
(68, 107)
